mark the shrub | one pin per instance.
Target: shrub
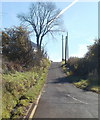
(93, 77)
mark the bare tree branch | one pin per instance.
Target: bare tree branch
(40, 17)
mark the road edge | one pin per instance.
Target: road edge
(36, 104)
(33, 106)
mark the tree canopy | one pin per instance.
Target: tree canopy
(41, 18)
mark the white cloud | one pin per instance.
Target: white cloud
(82, 49)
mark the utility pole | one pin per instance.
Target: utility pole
(62, 48)
(66, 48)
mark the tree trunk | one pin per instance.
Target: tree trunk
(41, 42)
(38, 46)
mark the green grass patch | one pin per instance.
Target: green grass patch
(95, 89)
(90, 83)
(81, 84)
(21, 88)
(34, 91)
(84, 84)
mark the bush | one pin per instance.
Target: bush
(78, 66)
(17, 46)
(93, 77)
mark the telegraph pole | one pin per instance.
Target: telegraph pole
(62, 48)
(66, 48)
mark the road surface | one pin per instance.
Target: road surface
(61, 99)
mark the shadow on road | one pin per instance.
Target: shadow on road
(68, 79)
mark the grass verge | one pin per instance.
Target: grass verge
(79, 82)
(21, 89)
(84, 84)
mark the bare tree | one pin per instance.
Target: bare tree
(41, 18)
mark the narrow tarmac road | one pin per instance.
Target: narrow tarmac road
(61, 99)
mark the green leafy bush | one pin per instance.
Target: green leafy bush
(93, 77)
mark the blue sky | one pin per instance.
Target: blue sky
(81, 21)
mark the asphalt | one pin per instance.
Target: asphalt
(61, 99)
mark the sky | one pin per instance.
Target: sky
(81, 22)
